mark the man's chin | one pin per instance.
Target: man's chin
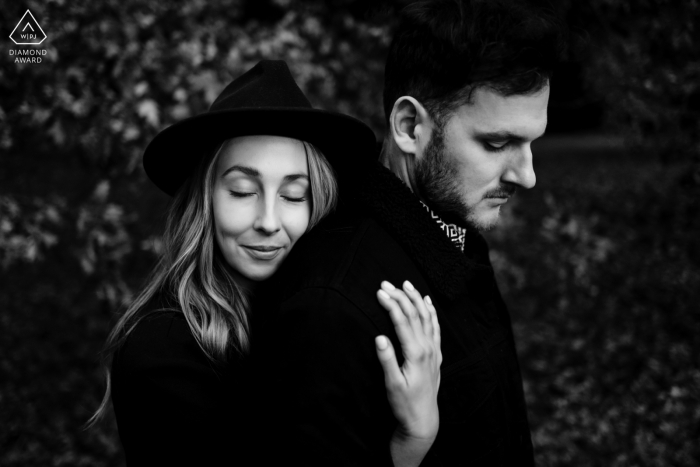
(484, 221)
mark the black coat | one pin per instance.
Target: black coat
(173, 405)
(319, 373)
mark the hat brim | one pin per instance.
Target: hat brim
(170, 158)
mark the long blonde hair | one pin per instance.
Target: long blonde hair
(193, 273)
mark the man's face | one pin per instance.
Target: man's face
(481, 155)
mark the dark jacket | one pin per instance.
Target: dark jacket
(173, 405)
(321, 378)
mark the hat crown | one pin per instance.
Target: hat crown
(263, 101)
(269, 84)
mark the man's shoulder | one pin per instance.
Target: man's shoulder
(338, 269)
(338, 255)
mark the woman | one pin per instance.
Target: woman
(249, 178)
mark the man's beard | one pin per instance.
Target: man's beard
(438, 181)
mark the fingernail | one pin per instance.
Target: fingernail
(428, 300)
(409, 286)
(388, 286)
(384, 295)
(381, 342)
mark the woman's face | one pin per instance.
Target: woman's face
(261, 202)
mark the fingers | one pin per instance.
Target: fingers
(421, 307)
(402, 325)
(387, 358)
(418, 331)
(433, 319)
(437, 337)
(412, 305)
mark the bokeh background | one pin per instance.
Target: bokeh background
(599, 263)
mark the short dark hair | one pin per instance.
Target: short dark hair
(443, 50)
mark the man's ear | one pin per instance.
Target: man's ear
(409, 125)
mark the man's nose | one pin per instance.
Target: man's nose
(267, 220)
(520, 170)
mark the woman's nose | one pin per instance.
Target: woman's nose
(267, 220)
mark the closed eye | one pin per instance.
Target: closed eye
(496, 146)
(294, 200)
(240, 194)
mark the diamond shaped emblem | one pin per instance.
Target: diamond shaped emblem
(28, 31)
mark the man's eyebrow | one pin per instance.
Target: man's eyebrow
(503, 136)
(251, 172)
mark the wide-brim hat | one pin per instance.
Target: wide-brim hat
(263, 101)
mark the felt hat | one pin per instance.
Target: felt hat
(263, 101)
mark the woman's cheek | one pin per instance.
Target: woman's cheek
(231, 219)
(297, 220)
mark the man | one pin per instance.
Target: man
(466, 93)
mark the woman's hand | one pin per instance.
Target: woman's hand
(411, 389)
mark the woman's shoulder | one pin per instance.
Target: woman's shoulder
(164, 327)
(164, 383)
(160, 335)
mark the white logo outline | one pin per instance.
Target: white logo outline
(20, 22)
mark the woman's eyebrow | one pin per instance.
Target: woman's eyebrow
(292, 177)
(251, 172)
(255, 173)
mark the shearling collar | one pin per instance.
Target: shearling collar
(448, 271)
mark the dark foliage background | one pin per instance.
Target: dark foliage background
(599, 262)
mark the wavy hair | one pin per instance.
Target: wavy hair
(193, 273)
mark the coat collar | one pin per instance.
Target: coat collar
(449, 272)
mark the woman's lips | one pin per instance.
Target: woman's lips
(263, 252)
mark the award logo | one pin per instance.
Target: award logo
(28, 32)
